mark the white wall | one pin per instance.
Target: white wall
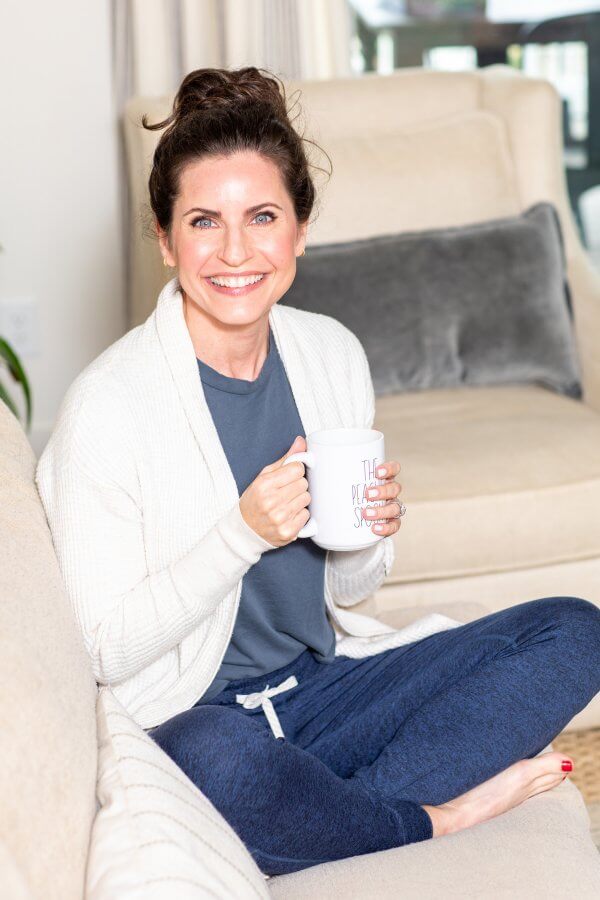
(60, 220)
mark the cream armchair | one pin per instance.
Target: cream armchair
(502, 484)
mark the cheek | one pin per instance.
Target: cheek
(279, 249)
(192, 250)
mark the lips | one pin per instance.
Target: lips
(237, 291)
(235, 274)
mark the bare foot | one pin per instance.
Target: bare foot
(498, 794)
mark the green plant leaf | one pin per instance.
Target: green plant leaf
(18, 374)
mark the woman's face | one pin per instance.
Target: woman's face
(233, 217)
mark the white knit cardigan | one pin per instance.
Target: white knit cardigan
(144, 509)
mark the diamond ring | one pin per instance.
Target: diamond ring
(402, 509)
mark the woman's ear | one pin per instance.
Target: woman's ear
(301, 238)
(163, 243)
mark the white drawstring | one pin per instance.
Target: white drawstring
(261, 698)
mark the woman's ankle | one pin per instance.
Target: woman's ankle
(442, 819)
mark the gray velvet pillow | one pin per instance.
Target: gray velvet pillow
(480, 304)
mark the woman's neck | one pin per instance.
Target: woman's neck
(234, 351)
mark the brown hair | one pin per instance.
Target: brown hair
(218, 112)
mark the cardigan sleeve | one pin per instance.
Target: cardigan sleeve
(354, 575)
(127, 616)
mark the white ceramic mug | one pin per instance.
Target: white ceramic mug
(340, 467)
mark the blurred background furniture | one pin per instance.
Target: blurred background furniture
(418, 27)
(502, 484)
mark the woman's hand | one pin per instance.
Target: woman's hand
(388, 491)
(275, 504)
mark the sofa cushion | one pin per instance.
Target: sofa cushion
(404, 615)
(494, 479)
(539, 850)
(13, 883)
(48, 725)
(155, 833)
(478, 304)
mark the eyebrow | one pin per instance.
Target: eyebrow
(217, 214)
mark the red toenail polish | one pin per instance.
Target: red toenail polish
(567, 765)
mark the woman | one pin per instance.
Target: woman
(317, 732)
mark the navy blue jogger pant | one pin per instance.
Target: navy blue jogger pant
(367, 741)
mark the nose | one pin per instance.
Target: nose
(236, 247)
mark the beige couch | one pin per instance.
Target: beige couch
(49, 753)
(502, 484)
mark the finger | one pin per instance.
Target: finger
(288, 472)
(390, 510)
(386, 528)
(387, 511)
(289, 492)
(388, 469)
(384, 491)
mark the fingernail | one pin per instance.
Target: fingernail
(567, 765)
(378, 527)
(380, 472)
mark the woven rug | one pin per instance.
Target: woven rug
(584, 748)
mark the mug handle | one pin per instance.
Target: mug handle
(308, 458)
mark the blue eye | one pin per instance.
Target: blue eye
(273, 216)
(208, 219)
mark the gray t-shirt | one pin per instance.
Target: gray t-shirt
(282, 607)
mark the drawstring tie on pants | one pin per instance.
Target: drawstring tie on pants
(261, 698)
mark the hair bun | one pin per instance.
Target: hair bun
(208, 89)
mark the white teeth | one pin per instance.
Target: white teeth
(236, 282)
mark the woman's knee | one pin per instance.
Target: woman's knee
(576, 622)
(575, 612)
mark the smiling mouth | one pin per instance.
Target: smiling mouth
(237, 286)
